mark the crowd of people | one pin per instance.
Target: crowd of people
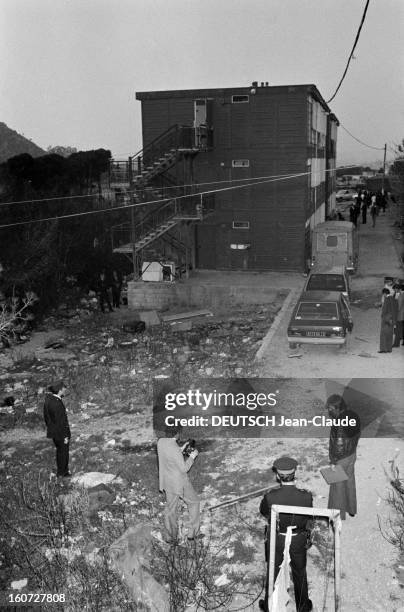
(365, 202)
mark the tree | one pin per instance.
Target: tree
(63, 151)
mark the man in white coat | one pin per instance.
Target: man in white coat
(174, 481)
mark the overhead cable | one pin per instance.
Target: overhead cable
(360, 141)
(352, 52)
(189, 185)
(161, 201)
(135, 205)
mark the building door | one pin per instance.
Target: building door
(202, 117)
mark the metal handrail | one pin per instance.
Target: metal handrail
(173, 209)
(175, 138)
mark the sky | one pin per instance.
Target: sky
(69, 69)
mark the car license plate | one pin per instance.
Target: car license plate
(317, 334)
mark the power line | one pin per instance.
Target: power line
(190, 185)
(352, 52)
(360, 141)
(129, 206)
(136, 205)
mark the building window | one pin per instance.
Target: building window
(239, 247)
(240, 163)
(241, 225)
(239, 99)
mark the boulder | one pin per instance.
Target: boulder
(130, 556)
(150, 317)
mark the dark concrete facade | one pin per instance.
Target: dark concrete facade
(262, 133)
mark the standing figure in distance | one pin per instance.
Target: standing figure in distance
(399, 331)
(289, 495)
(57, 426)
(174, 481)
(103, 291)
(374, 210)
(116, 288)
(342, 451)
(388, 320)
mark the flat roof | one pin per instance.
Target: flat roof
(215, 92)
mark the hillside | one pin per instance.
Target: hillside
(12, 143)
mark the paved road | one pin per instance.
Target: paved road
(378, 258)
(369, 581)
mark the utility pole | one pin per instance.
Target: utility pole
(384, 166)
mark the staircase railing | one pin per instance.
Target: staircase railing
(192, 208)
(176, 138)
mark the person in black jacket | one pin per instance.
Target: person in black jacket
(289, 495)
(57, 426)
(342, 451)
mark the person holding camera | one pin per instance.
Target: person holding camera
(174, 481)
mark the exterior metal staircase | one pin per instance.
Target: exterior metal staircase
(154, 224)
(144, 178)
(160, 155)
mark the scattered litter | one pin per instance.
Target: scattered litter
(368, 355)
(187, 315)
(222, 580)
(361, 339)
(181, 325)
(92, 479)
(110, 343)
(19, 584)
(295, 355)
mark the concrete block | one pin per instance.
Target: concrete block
(150, 317)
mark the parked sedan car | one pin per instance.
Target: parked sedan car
(332, 279)
(344, 195)
(320, 317)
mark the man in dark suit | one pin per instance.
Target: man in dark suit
(289, 495)
(57, 426)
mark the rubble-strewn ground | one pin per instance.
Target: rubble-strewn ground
(109, 373)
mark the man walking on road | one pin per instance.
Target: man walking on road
(342, 452)
(175, 483)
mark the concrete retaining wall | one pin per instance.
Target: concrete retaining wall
(163, 295)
